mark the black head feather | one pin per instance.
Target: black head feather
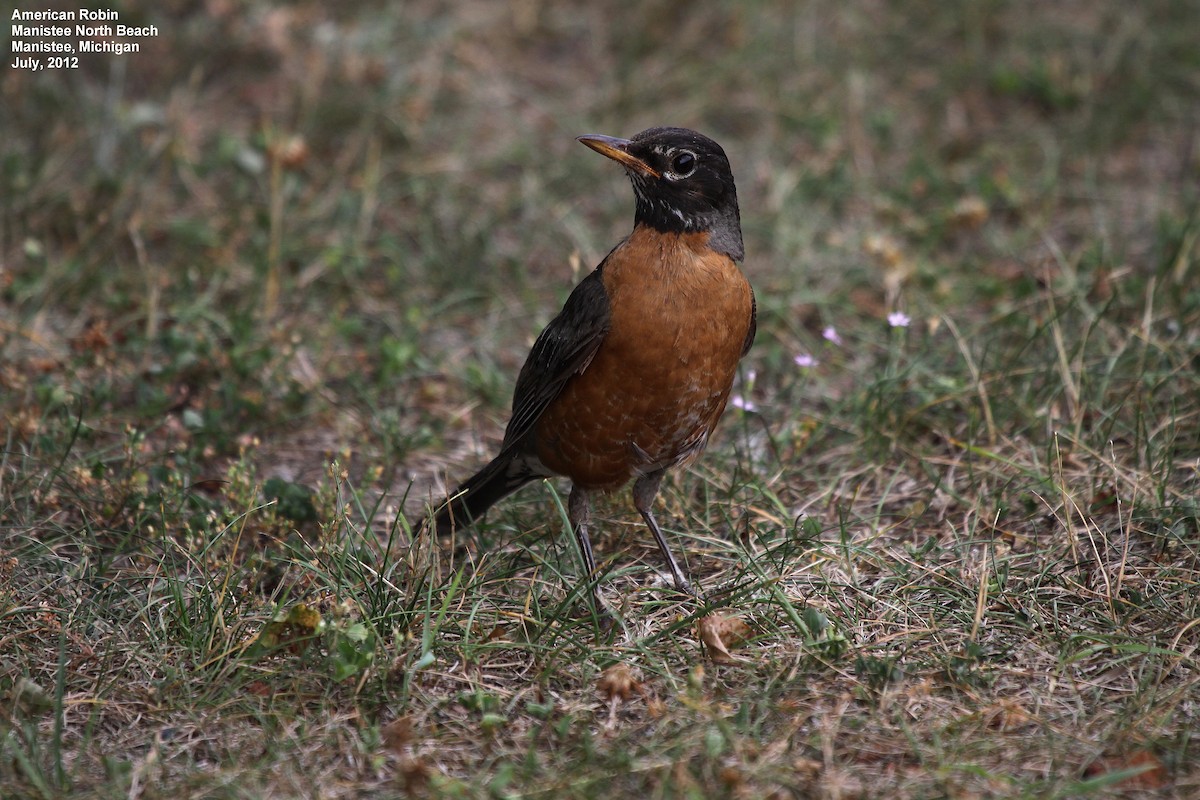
(682, 181)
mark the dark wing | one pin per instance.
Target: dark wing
(753, 329)
(563, 350)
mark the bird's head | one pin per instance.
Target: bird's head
(682, 181)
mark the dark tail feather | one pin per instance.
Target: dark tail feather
(470, 501)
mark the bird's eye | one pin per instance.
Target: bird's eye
(683, 164)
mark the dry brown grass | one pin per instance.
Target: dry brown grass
(313, 243)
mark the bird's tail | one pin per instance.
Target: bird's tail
(470, 501)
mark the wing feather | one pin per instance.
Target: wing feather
(564, 349)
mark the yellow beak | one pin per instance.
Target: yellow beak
(618, 150)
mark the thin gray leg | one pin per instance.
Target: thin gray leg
(579, 514)
(645, 489)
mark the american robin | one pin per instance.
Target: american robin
(631, 377)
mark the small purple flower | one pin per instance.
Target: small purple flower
(739, 402)
(831, 335)
(805, 360)
(898, 319)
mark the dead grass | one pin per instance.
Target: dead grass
(266, 286)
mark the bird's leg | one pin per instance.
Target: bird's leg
(579, 514)
(645, 489)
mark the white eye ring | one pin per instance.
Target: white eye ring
(683, 164)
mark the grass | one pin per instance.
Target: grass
(266, 286)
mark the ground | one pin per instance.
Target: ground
(265, 288)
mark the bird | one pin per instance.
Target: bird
(631, 377)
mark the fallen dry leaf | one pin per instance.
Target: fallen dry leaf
(291, 151)
(414, 775)
(397, 734)
(294, 630)
(1152, 776)
(618, 682)
(969, 213)
(656, 708)
(94, 339)
(719, 633)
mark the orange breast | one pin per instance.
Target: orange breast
(658, 384)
